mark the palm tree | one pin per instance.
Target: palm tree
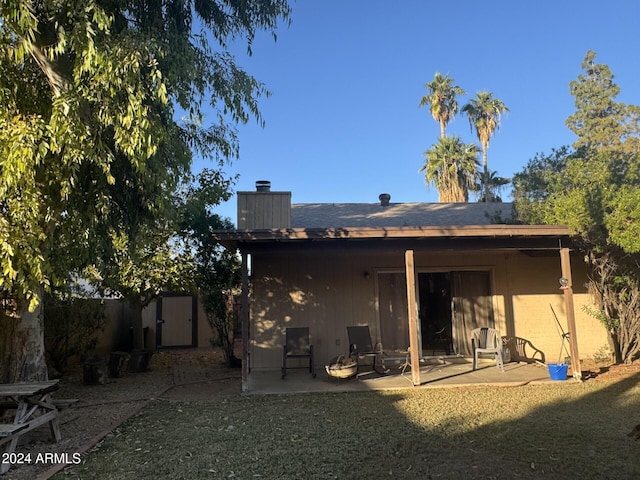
(452, 167)
(484, 113)
(496, 184)
(442, 99)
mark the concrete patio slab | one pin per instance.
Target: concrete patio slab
(439, 373)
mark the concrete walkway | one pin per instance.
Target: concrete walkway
(442, 373)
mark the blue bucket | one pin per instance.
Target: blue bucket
(558, 371)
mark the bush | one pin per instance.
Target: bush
(71, 326)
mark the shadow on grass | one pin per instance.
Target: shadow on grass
(554, 431)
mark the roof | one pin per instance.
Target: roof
(468, 222)
(351, 215)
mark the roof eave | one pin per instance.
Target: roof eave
(232, 238)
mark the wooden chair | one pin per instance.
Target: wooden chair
(487, 341)
(360, 345)
(296, 346)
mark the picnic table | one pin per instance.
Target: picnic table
(34, 407)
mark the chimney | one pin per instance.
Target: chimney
(384, 199)
(263, 186)
(264, 208)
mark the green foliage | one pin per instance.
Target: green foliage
(220, 288)
(495, 184)
(89, 144)
(484, 112)
(217, 271)
(623, 218)
(600, 123)
(91, 147)
(71, 325)
(603, 356)
(441, 99)
(451, 166)
(601, 316)
(142, 264)
(595, 191)
(536, 182)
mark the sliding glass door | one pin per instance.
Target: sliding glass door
(451, 304)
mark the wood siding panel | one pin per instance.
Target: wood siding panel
(323, 294)
(264, 210)
(327, 290)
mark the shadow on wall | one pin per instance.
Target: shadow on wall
(280, 307)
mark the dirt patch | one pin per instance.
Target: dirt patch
(193, 375)
(594, 371)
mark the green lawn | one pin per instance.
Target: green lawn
(555, 431)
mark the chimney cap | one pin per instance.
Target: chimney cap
(263, 186)
(384, 199)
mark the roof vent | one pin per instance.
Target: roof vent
(384, 199)
(263, 186)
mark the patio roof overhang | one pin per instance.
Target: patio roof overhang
(509, 237)
(530, 239)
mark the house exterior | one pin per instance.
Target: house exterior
(420, 275)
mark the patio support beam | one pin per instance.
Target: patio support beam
(244, 322)
(412, 305)
(565, 263)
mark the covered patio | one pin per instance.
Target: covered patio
(408, 272)
(440, 372)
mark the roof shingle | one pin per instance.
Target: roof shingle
(342, 215)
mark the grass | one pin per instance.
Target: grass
(555, 431)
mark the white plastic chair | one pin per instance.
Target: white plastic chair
(487, 341)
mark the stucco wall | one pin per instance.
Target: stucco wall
(328, 289)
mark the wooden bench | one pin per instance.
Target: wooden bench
(33, 407)
(59, 403)
(7, 430)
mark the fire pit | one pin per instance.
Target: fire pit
(342, 367)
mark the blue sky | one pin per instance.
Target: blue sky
(343, 123)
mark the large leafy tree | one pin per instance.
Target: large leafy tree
(217, 270)
(141, 267)
(89, 142)
(595, 190)
(484, 112)
(537, 182)
(452, 166)
(442, 99)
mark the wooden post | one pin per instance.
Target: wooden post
(565, 262)
(413, 317)
(244, 323)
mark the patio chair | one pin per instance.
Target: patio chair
(487, 341)
(297, 346)
(441, 341)
(522, 350)
(360, 345)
